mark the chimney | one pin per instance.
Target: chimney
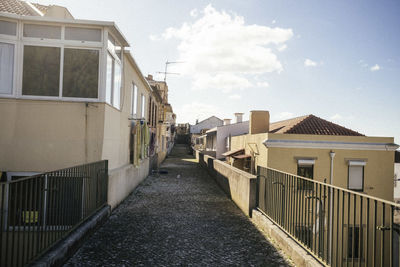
(149, 77)
(259, 121)
(227, 121)
(239, 117)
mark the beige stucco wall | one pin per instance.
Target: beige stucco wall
(123, 180)
(378, 172)
(38, 135)
(117, 123)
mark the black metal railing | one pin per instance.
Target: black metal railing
(39, 210)
(337, 226)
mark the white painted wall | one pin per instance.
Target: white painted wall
(397, 179)
(206, 124)
(224, 131)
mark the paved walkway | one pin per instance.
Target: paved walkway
(179, 218)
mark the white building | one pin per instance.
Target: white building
(208, 123)
(218, 138)
(397, 177)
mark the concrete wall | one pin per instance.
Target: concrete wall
(39, 135)
(239, 185)
(122, 181)
(224, 131)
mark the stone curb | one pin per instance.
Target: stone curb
(66, 247)
(289, 247)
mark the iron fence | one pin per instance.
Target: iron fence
(337, 226)
(39, 210)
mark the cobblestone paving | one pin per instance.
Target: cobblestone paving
(179, 218)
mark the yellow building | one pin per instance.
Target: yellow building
(311, 147)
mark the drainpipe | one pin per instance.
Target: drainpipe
(332, 155)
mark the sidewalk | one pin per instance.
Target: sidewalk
(179, 218)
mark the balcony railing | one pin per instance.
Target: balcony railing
(38, 211)
(339, 227)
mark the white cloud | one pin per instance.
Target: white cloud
(220, 44)
(376, 67)
(225, 82)
(196, 110)
(235, 96)
(336, 117)
(283, 116)
(310, 63)
(262, 84)
(154, 37)
(282, 47)
(194, 13)
(274, 21)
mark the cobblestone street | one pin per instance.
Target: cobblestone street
(178, 218)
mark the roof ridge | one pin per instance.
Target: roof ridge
(291, 119)
(341, 129)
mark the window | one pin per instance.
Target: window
(109, 78)
(356, 175)
(143, 106)
(117, 85)
(42, 31)
(113, 83)
(41, 71)
(353, 242)
(305, 168)
(8, 27)
(82, 34)
(81, 73)
(6, 68)
(134, 100)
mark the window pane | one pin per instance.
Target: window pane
(42, 31)
(8, 27)
(356, 177)
(134, 100)
(109, 78)
(82, 34)
(81, 73)
(41, 71)
(117, 85)
(143, 106)
(6, 68)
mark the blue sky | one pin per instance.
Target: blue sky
(339, 60)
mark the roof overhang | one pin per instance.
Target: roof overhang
(233, 152)
(329, 145)
(136, 67)
(110, 25)
(213, 130)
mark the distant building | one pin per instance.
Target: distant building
(218, 139)
(208, 123)
(310, 146)
(397, 176)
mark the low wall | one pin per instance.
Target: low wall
(123, 180)
(239, 185)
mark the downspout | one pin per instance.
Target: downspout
(332, 155)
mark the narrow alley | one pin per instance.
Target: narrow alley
(177, 217)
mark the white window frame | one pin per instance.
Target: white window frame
(115, 58)
(143, 106)
(134, 99)
(20, 42)
(356, 163)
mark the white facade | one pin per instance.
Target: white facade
(223, 133)
(209, 123)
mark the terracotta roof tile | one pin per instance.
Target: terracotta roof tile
(15, 7)
(310, 124)
(41, 8)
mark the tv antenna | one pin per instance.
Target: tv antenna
(165, 72)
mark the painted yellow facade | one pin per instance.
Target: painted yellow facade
(378, 169)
